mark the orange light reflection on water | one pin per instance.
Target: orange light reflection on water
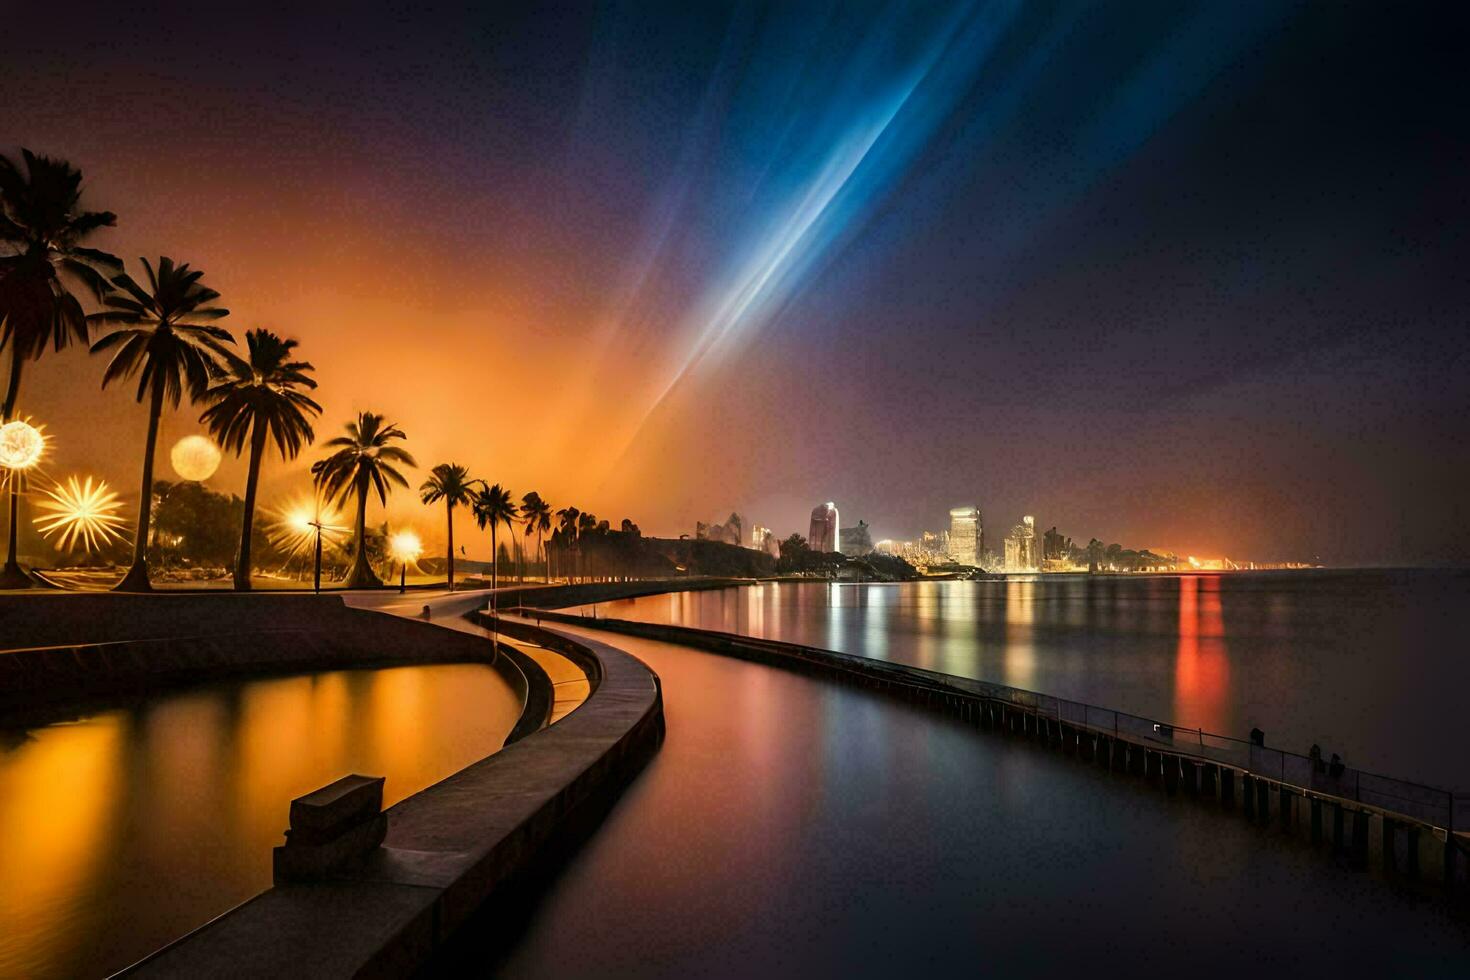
(1201, 665)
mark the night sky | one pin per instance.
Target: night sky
(1183, 276)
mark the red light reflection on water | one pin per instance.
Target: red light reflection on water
(1201, 664)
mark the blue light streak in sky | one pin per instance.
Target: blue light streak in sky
(814, 135)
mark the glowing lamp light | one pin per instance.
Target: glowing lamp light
(296, 522)
(80, 513)
(405, 547)
(21, 445)
(195, 458)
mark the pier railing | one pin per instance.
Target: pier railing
(1430, 805)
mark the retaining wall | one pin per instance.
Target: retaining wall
(447, 848)
(86, 649)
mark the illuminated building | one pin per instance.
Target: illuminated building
(758, 535)
(965, 531)
(1021, 547)
(856, 541)
(823, 534)
(728, 532)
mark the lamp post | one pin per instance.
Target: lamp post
(316, 568)
(404, 547)
(21, 446)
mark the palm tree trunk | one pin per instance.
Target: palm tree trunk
(13, 577)
(545, 559)
(362, 575)
(449, 507)
(136, 580)
(494, 560)
(252, 482)
(12, 390)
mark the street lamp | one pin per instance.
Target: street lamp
(316, 568)
(21, 446)
(404, 547)
(306, 525)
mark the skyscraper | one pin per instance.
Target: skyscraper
(1021, 547)
(856, 541)
(758, 535)
(823, 535)
(965, 532)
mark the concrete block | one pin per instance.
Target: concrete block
(323, 813)
(298, 861)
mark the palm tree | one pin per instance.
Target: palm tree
(364, 461)
(42, 226)
(450, 483)
(161, 335)
(492, 506)
(42, 222)
(260, 397)
(586, 527)
(567, 524)
(537, 515)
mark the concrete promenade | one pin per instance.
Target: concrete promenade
(447, 848)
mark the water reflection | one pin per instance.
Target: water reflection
(130, 827)
(1364, 663)
(1020, 652)
(1202, 666)
(792, 828)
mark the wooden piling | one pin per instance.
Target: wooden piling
(1171, 774)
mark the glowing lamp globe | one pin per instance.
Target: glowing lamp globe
(21, 445)
(195, 458)
(405, 547)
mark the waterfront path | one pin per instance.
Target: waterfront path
(792, 827)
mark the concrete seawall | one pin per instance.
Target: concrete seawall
(448, 847)
(60, 652)
(1400, 842)
(589, 593)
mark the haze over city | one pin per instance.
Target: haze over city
(731, 258)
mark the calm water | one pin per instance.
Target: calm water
(790, 828)
(126, 829)
(1372, 665)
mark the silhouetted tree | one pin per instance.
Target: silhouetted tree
(492, 506)
(567, 519)
(161, 335)
(260, 397)
(450, 483)
(537, 515)
(365, 460)
(42, 227)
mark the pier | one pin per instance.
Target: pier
(1394, 825)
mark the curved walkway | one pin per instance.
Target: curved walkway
(447, 847)
(790, 827)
